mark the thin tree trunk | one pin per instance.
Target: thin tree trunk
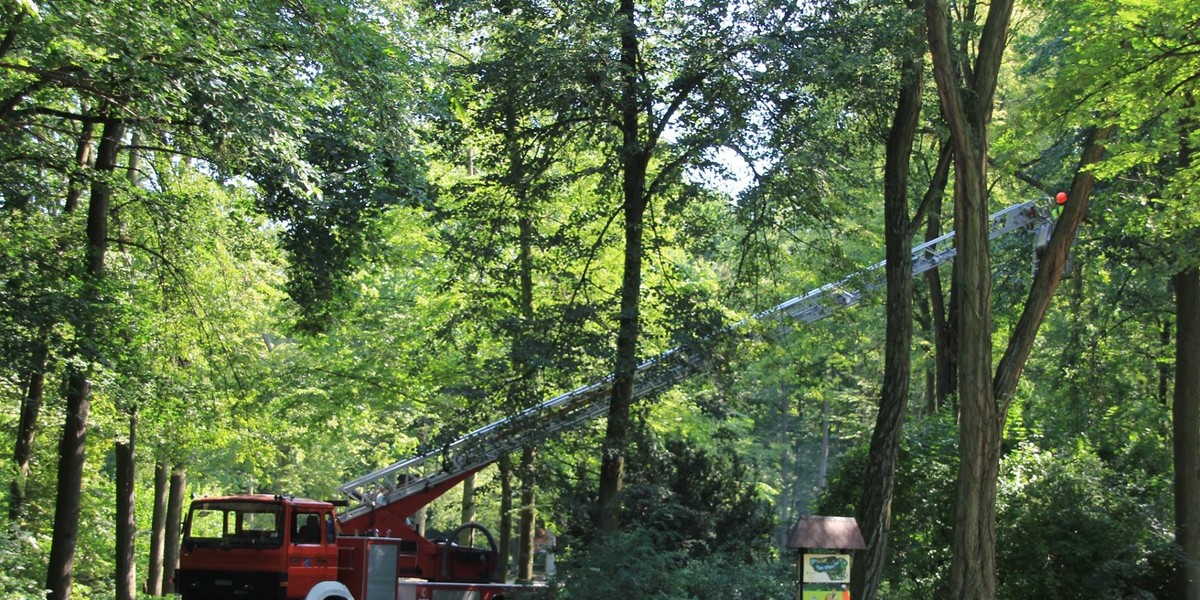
(823, 463)
(467, 512)
(73, 445)
(31, 407)
(133, 175)
(1185, 411)
(784, 440)
(126, 457)
(875, 505)
(528, 516)
(943, 317)
(158, 529)
(83, 157)
(467, 515)
(1165, 337)
(506, 507)
(174, 529)
(36, 379)
(634, 160)
(923, 316)
(126, 526)
(944, 358)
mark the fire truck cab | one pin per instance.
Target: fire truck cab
(264, 547)
(259, 546)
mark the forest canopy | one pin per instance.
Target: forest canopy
(270, 246)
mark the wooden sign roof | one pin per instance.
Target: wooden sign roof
(835, 533)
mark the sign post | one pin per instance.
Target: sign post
(824, 569)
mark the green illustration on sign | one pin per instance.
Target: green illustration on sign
(826, 568)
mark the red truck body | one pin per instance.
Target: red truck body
(265, 547)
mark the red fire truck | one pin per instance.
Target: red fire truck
(263, 547)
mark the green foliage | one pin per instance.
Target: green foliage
(701, 501)
(922, 507)
(698, 500)
(625, 564)
(629, 564)
(384, 171)
(21, 555)
(1071, 525)
(1126, 64)
(1074, 528)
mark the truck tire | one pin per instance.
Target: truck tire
(329, 590)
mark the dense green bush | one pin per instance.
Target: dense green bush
(21, 568)
(1073, 528)
(696, 499)
(698, 528)
(629, 565)
(922, 509)
(1069, 525)
(702, 501)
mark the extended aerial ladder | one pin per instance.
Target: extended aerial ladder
(405, 486)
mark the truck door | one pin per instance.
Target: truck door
(312, 553)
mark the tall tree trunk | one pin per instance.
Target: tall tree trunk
(823, 461)
(523, 392)
(71, 451)
(967, 107)
(1165, 337)
(83, 157)
(634, 160)
(528, 516)
(467, 515)
(784, 440)
(945, 359)
(923, 316)
(972, 569)
(174, 529)
(31, 407)
(35, 381)
(467, 512)
(506, 507)
(1185, 411)
(73, 446)
(943, 314)
(875, 504)
(158, 529)
(1185, 408)
(126, 515)
(126, 457)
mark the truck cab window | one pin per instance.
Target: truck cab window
(306, 528)
(229, 524)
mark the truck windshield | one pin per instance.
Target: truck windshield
(234, 524)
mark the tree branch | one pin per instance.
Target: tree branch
(1049, 273)
(937, 185)
(11, 35)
